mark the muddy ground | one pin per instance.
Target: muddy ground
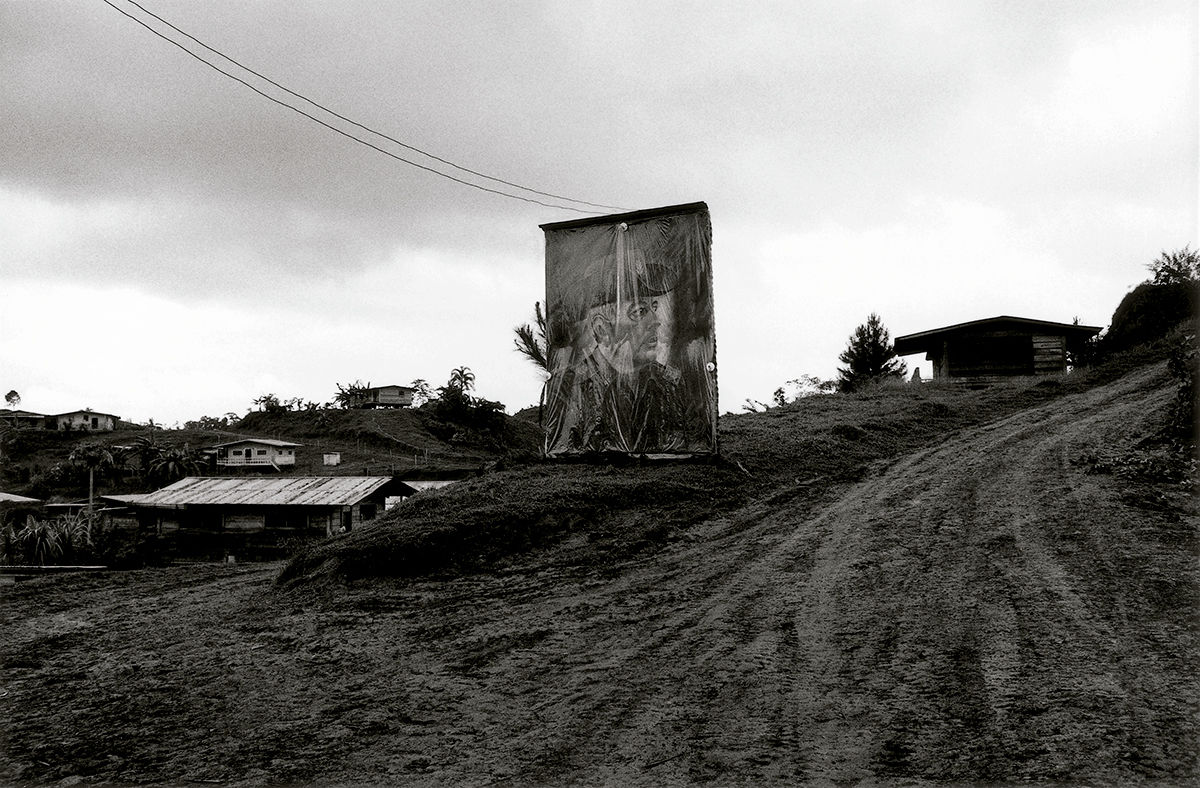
(984, 611)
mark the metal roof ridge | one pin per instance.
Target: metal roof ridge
(1030, 320)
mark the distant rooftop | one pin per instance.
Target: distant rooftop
(268, 491)
(264, 441)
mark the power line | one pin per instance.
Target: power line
(363, 127)
(346, 134)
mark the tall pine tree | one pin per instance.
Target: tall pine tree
(869, 357)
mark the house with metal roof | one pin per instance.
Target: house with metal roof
(246, 514)
(995, 348)
(259, 453)
(383, 397)
(24, 419)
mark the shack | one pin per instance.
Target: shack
(24, 419)
(251, 514)
(255, 452)
(383, 397)
(986, 351)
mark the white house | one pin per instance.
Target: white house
(86, 420)
(256, 452)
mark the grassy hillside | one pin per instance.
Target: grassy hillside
(35, 462)
(607, 512)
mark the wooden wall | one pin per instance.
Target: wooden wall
(995, 356)
(1049, 354)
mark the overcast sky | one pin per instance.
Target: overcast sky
(173, 245)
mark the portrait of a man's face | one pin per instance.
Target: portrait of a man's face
(628, 333)
(630, 316)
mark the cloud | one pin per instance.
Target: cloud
(935, 162)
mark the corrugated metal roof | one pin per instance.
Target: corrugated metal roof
(14, 498)
(264, 441)
(266, 491)
(431, 484)
(130, 498)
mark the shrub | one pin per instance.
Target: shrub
(1149, 312)
(1184, 365)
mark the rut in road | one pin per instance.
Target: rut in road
(980, 611)
(924, 624)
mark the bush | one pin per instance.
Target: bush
(1149, 312)
(1184, 365)
(478, 418)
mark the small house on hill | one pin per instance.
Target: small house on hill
(989, 350)
(383, 397)
(232, 513)
(85, 420)
(255, 452)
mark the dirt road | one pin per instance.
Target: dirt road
(984, 611)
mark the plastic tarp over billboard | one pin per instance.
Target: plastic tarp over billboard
(629, 316)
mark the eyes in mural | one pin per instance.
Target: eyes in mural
(641, 309)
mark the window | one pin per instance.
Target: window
(237, 452)
(367, 510)
(262, 452)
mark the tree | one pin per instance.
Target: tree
(869, 357)
(173, 464)
(92, 456)
(422, 393)
(461, 378)
(531, 341)
(1179, 267)
(351, 394)
(12, 398)
(269, 403)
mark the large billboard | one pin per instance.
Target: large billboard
(629, 318)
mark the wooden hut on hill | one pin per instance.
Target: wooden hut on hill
(383, 397)
(990, 350)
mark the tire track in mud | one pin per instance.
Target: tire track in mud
(977, 611)
(918, 626)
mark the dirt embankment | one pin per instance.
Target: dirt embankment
(982, 611)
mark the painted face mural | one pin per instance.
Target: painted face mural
(630, 325)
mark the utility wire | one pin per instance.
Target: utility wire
(359, 140)
(363, 127)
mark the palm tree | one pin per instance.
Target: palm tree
(146, 449)
(462, 378)
(531, 341)
(173, 464)
(91, 456)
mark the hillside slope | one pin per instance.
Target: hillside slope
(403, 441)
(985, 609)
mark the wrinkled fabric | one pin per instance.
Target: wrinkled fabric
(632, 349)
